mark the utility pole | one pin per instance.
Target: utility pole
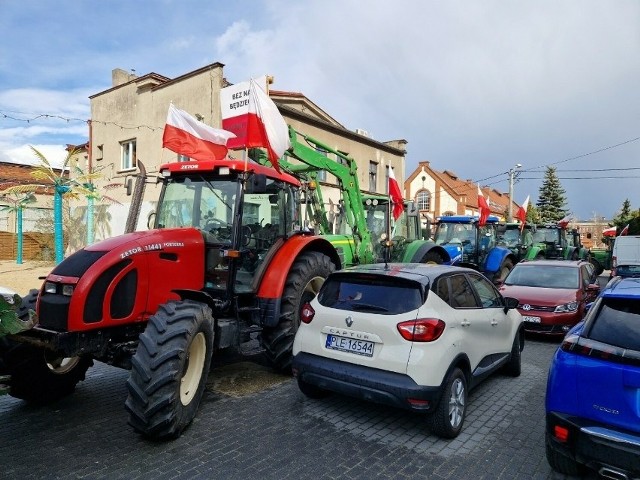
(512, 174)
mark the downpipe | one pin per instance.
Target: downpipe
(612, 474)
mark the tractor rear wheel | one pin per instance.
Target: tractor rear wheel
(305, 278)
(433, 257)
(504, 270)
(39, 375)
(169, 369)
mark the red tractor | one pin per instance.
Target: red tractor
(228, 257)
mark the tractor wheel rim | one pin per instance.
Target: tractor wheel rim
(59, 364)
(314, 285)
(194, 365)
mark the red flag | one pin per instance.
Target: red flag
(625, 230)
(522, 212)
(609, 232)
(483, 208)
(395, 194)
(248, 112)
(187, 136)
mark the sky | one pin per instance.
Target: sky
(475, 87)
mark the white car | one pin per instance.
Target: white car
(414, 336)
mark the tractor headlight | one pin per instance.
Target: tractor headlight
(567, 307)
(50, 287)
(67, 290)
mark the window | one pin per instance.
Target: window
(373, 176)
(251, 213)
(423, 199)
(616, 322)
(183, 158)
(489, 297)
(370, 293)
(321, 176)
(128, 155)
(461, 293)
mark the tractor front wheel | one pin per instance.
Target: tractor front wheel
(169, 369)
(39, 375)
(305, 278)
(504, 270)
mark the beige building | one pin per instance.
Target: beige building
(128, 119)
(442, 193)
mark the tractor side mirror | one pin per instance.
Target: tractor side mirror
(256, 183)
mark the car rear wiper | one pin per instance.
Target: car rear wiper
(368, 306)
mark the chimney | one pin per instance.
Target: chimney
(120, 77)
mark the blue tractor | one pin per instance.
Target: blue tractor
(473, 246)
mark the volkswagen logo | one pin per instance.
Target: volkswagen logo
(349, 321)
(526, 307)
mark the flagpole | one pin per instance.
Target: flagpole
(387, 250)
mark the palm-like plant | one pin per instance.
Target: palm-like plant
(82, 185)
(17, 203)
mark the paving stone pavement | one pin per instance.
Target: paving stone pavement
(277, 433)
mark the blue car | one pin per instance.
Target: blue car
(593, 389)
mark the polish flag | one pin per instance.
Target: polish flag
(564, 222)
(187, 136)
(483, 208)
(625, 230)
(609, 232)
(395, 195)
(522, 212)
(248, 112)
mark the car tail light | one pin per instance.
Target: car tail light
(307, 313)
(561, 433)
(594, 349)
(421, 330)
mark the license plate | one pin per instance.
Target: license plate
(530, 319)
(350, 345)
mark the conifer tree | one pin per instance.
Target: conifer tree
(551, 198)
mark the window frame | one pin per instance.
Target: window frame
(128, 146)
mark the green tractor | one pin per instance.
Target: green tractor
(554, 241)
(600, 258)
(14, 318)
(542, 241)
(359, 225)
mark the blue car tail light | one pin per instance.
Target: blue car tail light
(594, 349)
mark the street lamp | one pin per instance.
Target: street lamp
(512, 174)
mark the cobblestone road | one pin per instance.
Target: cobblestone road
(277, 433)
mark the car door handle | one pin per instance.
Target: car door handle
(465, 323)
(494, 322)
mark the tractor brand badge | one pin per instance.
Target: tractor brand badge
(526, 307)
(349, 321)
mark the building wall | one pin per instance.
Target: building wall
(136, 108)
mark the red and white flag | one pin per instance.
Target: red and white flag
(248, 112)
(625, 230)
(187, 136)
(395, 195)
(564, 222)
(609, 232)
(483, 208)
(522, 212)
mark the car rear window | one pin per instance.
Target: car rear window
(628, 270)
(617, 323)
(371, 293)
